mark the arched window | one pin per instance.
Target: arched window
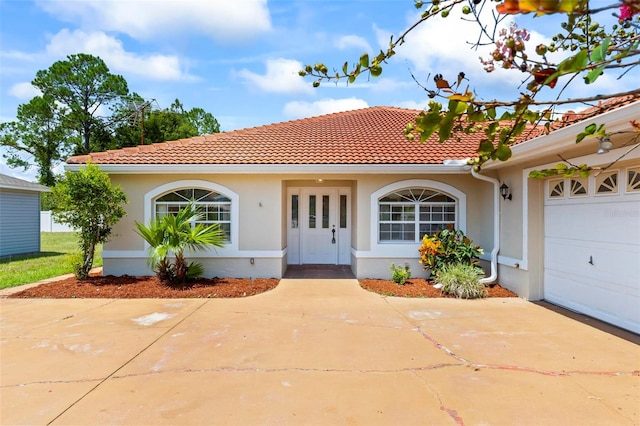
(406, 215)
(214, 207)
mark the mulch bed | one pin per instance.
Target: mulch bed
(418, 287)
(130, 287)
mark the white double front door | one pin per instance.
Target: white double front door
(319, 226)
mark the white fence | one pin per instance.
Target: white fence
(47, 224)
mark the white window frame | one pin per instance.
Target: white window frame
(415, 205)
(204, 208)
(406, 248)
(151, 196)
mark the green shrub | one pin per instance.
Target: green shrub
(173, 234)
(75, 261)
(447, 247)
(400, 274)
(87, 201)
(462, 281)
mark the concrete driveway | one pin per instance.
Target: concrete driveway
(312, 352)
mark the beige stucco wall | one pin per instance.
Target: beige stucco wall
(479, 214)
(257, 231)
(262, 227)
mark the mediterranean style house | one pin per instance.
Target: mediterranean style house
(349, 189)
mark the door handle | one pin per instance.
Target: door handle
(333, 231)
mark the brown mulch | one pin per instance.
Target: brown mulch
(130, 287)
(419, 287)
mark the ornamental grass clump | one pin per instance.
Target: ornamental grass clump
(461, 281)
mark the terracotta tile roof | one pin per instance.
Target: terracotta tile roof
(572, 117)
(366, 136)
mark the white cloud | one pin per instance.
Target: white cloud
(380, 84)
(298, 109)
(353, 41)
(24, 91)
(281, 77)
(223, 20)
(110, 49)
(413, 104)
(441, 46)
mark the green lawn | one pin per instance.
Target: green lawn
(50, 262)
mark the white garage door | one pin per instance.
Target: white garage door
(592, 246)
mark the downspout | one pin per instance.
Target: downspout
(496, 225)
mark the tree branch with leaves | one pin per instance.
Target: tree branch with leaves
(586, 49)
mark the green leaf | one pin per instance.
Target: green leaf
(446, 127)
(593, 75)
(503, 153)
(519, 128)
(581, 137)
(345, 67)
(486, 147)
(491, 129)
(375, 70)
(428, 123)
(572, 64)
(600, 52)
(461, 108)
(364, 60)
(491, 113)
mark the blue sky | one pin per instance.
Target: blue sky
(239, 59)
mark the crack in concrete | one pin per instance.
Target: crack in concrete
(454, 415)
(113, 373)
(231, 369)
(451, 412)
(52, 382)
(477, 365)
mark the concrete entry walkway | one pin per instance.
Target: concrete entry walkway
(311, 352)
(324, 272)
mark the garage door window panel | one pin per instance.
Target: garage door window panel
(607, 183)
(579, 187)
(633, 180)
(556, 188)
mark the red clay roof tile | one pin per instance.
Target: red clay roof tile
(365, 136)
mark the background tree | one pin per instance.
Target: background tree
(83, 84)
(88, 201)
(203, 122)
(160, 125)
(588, 49)
(84, 108)
(39, 133)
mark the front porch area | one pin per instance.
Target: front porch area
(326, 272)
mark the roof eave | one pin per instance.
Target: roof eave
(329, 169)
(35, 188)
(616, 120)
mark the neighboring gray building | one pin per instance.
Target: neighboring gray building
(19, 216)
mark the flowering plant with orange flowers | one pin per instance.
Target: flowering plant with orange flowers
(448, 246)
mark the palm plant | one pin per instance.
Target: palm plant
(173, 234)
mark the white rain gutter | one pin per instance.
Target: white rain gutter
(496, 225)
